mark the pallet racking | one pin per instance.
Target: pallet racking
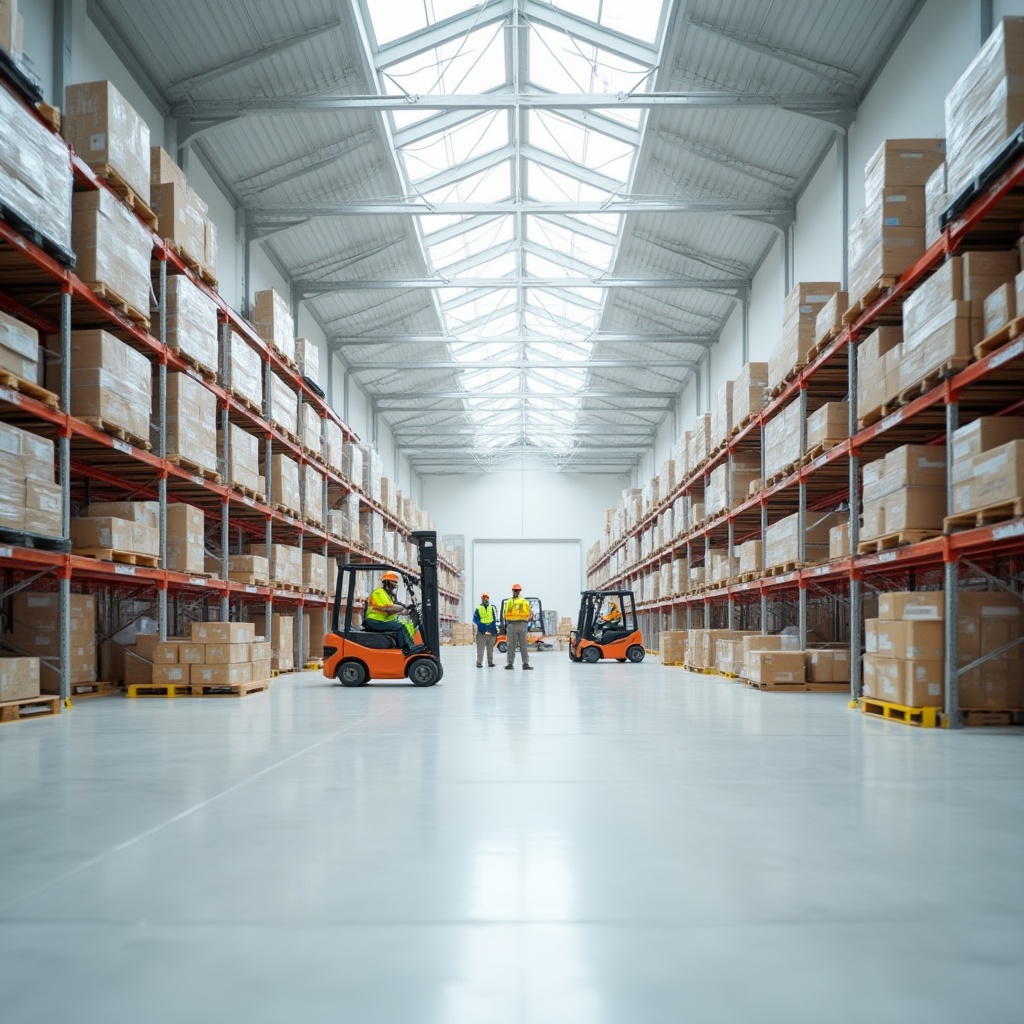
(990, 218)
(92, 464)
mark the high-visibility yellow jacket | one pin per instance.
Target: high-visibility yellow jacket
(379, 600)
(517, 609)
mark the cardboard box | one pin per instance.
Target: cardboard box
(244, 376)
(192, 323)
(882, 678)
(982, 435)
(163, 171)
(260, 651)
(181, 218)
(166, 652)
(902, 162)
(284, 408)
(170, 674)
(122, 535)
(936, 199)
(272, 319)
(839, 541)
(191, 422)
(829, 423)
(186, 538)
(227, 674)
(990, 478)
(108, 134)
(912, 605)
(19, 348)
(775, 667)
(226, 654)
(247, 568)
(904, 639)
(672, 646)
(921, 685)
(871, 375)
(1000, 308)
(19, 678)
(307, 356)
(223, 632)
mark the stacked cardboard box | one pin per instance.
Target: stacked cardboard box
(905, 648)
(782, 541)
(191, 422)
(108, 134)
(216, 654)
(803, 304)
(186, 538)
(1004, 304)
(748, 392)
(905, 491)
(245, 372)
(828, 665)
(285, 489)
(35, 631)
(243, 467)
(192, 323)
(334, 446)
(307, 357)
(19, 678)
(273, 322)
(751, 557)
(731, 479)
(314, 572)
(829, 423)
(30, 501)
(19, 348)
(183, 215)
(284, 406)
(699, 444)
(829, 320)
(119, 526)
(936, 199)
(729, 656)
(986, 104)
(250, 569)
(112, 246)
(35, 171)
(988, 466)
(312, 495)
(775, 668)
(986, 623)
(285, 563)
(839, 541)
(721, 417)
(282, 640)
(877, 366)
(312, 429)
(782, 440)
(888, 237)
(110, 382)
(373, 470)
(352, 463)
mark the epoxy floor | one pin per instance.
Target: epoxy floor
(607, 844)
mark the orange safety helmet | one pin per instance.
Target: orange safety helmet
(517, 586)
(485, 597)
(389, 577)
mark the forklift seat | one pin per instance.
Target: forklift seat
(375, 641)
(611, 634)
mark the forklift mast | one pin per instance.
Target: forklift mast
(430, 629)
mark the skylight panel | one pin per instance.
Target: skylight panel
(474, 138)
(499, 266)
(470, 63)
(539, 266)
(638, 18)
(565, 64)
(486, 187)
(552, 186)
(471, 242)
(393, 19)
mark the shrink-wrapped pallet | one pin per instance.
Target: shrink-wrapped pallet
(273, 322)
(312, 429)
(285, 562)
(192, 323)
(245, 372)
(285, 490)
(314, 572)
(373, 470)
(243, 466)
(191, 422)
(352, 463)
(782, 440)
(312, 495)
(35, 172)
(334, 446)
(307, 356)
(284, 406)
(19, 348)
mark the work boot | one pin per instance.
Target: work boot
(478, 665)
(490, 664)
(508, 668)
(418, 649)
(527, 668)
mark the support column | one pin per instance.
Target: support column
(225, 516)
(731, 545)
(63, 34)
(764, 536)
(161, 448)
(843, 153)
(952, 589)
(856, 597)
(64, 468)
(801, 552)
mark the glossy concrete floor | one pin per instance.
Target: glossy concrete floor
(602, 844)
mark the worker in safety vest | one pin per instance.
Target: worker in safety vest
(612, 617)
(517, 620)
(382, 614)
(486, 621)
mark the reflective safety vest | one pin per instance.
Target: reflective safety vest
(379, 600)
(486, 614)
(517, 609)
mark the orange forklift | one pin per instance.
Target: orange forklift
(607, 628)
(355, 656)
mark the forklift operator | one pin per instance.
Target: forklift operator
(382, 613)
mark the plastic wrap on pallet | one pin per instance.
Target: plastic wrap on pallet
(901, 164)
(721, 416)
(284, 482)
(831, 422)
(19, 348)
(192, 322)
(1000, 308)
(373, 470)
(334, 446)
(284, 406)
(186, 538)
(105, 129)
(307, 357)
(751, 554)
(181, 215)
(371, 531)
(35, 172)
(112, 246)
(285, 562)
(782, 439)
(35, 629)
(700, 435)
(312, 429)
(210, 249)
(314, 572)
(352, 463)
(273, 322)
(191, 421)
(936, 199)
(243, 468)
(312, 495)
(110, 381)
(830, 316)
(986, 104)
(245, 372)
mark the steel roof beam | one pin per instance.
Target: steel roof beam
(466, 169)
(573, 170)
(420, 207)
(546, 284)
(469, 430)
(571, 297)
(520, 449)
(731, 162)
(621, 337)
(454, 230)
(617, 43)
(523, 364)
(562, 259)
(718, 263)
(441, 32)
(323, 157)
(256, 56)
(421, 396)
(448, 271)
(579, 227)
(435, 125)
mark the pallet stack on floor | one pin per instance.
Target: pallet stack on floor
(919, 487)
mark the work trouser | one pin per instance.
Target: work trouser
(484, 642)
(515, 634)
(395, 626)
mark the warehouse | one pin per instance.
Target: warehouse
(669, 351)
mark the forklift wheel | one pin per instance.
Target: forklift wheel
(592, 655)
(352, 673)
(424, 672)
(502, 647)
(635, 654)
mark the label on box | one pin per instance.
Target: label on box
(198, 581)
(251, 589)
(124, 570)
(98, 141)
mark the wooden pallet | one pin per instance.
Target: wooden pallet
(158, 690)
(199, 269)
(228, 689)
(115, 431)
(23, 539)
(983, 717)
(125, 557)
(791, 374)
(250, 580)
(782, 474)
(870, 417)
(823, 446)
(201, 368)
(874, 291)
(127, 195)
(97, 689)
(995, 513)
(50, 114)
(105, 292)
(951, 367)
(285, 511)
(782, 568)
(926, 718)
(28, 388)
(798, 687)
(182, 462)
(250, 493)
(29, 707)
(888, 541)
(823, 342)
(247, 403)
(1005, 334)
(748, 577)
